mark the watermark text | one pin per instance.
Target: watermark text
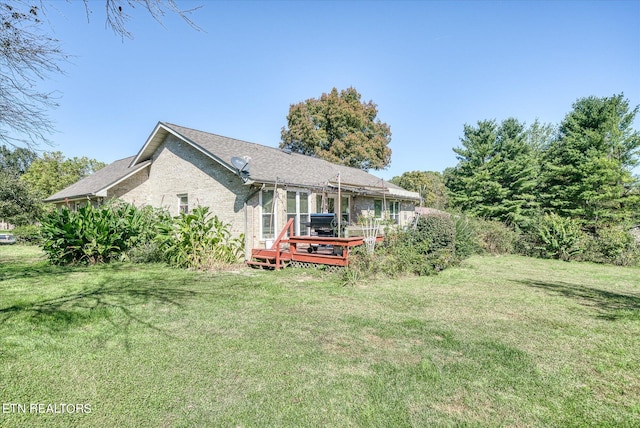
(46, 408)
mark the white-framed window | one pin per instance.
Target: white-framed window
(183, 203)
(394, 211)
(298, 209)
(268, 215)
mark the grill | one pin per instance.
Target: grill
(323, 224)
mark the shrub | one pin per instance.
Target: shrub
(614, 245)
(426, 250)
(29, 234)
(496, 237)
(143, 245)
(467, 241)
(89, 235)
(196, 240)
(434, 233)
(97, 235)
(559, 237)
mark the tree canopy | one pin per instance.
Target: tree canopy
(581, 170)
(338, 127)
(587, 170)
(429, 184)
(496, 173)
(18, 205)
(26, 179)
(53, 172)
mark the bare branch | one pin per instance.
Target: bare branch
(118, 18)
(27, 56)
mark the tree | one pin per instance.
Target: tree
(471, 184)
(340, 128)
(587, 170)
(29, 55)
(540, 136)
(17, 204)
(118, 18)
(53, 172)
(16, 161)
(429, 184)
(495, 177)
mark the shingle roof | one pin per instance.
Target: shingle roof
(99, 181)
(267, 165)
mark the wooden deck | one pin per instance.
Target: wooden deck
(305, 249)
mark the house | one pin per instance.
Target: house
(255, 188)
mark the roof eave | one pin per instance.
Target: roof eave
(71, 198)
(103, 191)
(139, 168)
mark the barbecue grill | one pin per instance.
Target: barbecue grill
(324, 225)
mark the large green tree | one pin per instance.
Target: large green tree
(16, 160)
(587, 170)
(340, 128)
(18, 205)
(495, 177)
(53, 172)
(429, 184)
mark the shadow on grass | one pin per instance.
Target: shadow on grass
(118, 299)
(610, 305)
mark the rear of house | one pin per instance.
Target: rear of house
(180, 168)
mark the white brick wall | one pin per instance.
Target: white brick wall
(179, 169)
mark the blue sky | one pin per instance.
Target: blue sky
(430, 66)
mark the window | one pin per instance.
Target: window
(268, 224)
(394, 211)
(298, 209)
(377, 208)
(183, 206)
(331, 207)
(346, 212)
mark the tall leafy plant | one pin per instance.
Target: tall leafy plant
(199, 240)
(89, 235)
(98, 234)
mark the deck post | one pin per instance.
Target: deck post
(276, 244)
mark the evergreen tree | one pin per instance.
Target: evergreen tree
(471, 185)
(587, 170)
(496, 173)
(517, 172)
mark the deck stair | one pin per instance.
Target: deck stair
(275, 257)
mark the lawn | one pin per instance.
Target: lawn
(497, 341)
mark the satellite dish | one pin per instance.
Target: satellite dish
(241, 164)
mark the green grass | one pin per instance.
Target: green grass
(498, 341)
